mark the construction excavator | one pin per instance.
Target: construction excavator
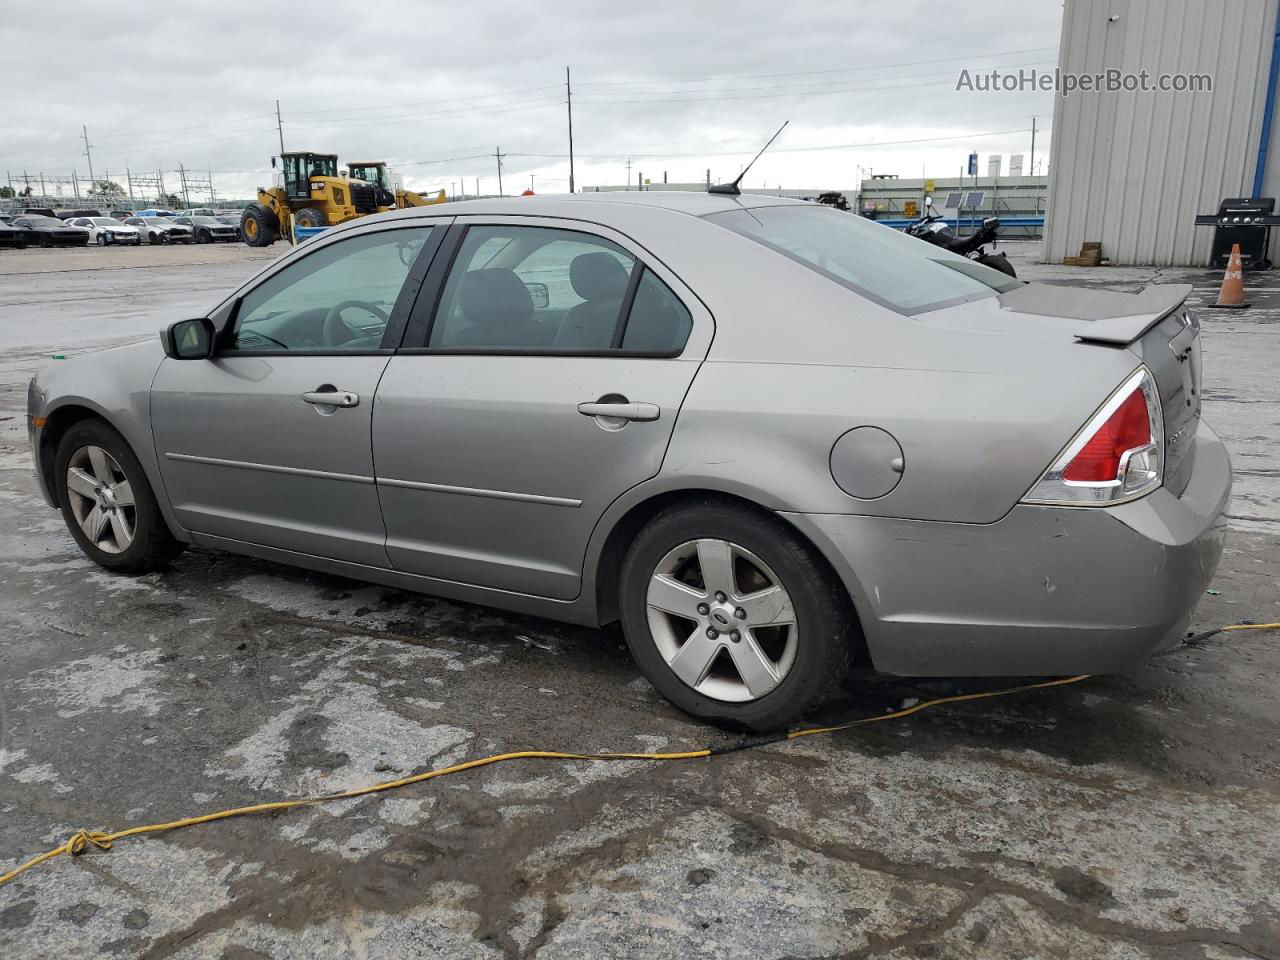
(314, 193)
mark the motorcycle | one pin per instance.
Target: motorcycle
(931, 228)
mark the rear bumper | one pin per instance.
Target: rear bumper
(1045, 590)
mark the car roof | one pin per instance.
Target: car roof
(589, 204)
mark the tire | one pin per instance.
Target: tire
(310, 217)
(150, 546)
(46, 242)
(997, 261)
(22, 243)
(102, 239)
(203, 237)
(259, 226)
(807, 659)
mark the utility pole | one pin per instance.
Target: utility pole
(75, 185)
(569, 94)
(531, 183)
(497, 152)
(211, 203)
(628, 173)
(128, 178)
(84, 131)
(182, 175)
(1033, 146)
(280, 129)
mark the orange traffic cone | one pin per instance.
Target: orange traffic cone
(1232, 293)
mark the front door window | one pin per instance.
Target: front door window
(338, 298)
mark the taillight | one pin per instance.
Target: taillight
(1119, 455)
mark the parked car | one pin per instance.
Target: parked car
(50, 231)
(233, 220)
(74, 214)
(208, 229)
(12, 236)
(160, 229)
(153, 212)
(108, 230)
(39, 212)
(763, 434)
(122, 214)
(198, 212)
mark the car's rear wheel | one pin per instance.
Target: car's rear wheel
(733, 617)
(102, 239)
(108, 504)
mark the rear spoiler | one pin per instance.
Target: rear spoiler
(1101, 316)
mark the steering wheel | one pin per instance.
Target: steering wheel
(336, 331)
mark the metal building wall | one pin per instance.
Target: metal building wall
(1132, 169)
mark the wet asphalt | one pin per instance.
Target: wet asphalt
(1127, 816)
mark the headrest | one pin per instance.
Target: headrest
(598, 276)
(495, 294)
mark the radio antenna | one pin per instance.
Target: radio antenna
(732, 188)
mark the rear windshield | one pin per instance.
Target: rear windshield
(900, 272)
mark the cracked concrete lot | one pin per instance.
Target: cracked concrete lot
(1125, 816)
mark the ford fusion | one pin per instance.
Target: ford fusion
(767, 437)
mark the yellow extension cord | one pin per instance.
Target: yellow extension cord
(81, 840)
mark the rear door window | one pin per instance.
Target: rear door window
(533, 288)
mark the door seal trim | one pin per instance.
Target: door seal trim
(480, 492)
(269, 468)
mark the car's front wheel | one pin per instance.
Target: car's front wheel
(107, 502)
(733, 617)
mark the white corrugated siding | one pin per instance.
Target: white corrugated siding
(1132, 170)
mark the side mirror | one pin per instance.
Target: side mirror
(540, 294)
(189, 339)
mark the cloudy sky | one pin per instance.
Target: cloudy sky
(435, 88)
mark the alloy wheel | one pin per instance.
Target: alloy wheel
(101, 499)
(722, 620)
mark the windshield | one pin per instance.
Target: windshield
(369, 172)
(204, 220)
(45, 222)
(900, 272)
(106, 222)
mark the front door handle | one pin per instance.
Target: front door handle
(621, 411)
(332, 398)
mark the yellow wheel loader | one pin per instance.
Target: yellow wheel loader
(314, 195)
(391, 195)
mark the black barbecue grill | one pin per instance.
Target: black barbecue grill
(1246, 221)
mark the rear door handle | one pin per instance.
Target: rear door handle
(332, 398)
(621, 411)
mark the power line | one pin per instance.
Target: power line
(419, 103)
(482, 111)
(738, 153)
(810, 73)
(717, 97)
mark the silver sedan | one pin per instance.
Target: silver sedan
(768, 437)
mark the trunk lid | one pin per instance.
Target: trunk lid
(1153, 324)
